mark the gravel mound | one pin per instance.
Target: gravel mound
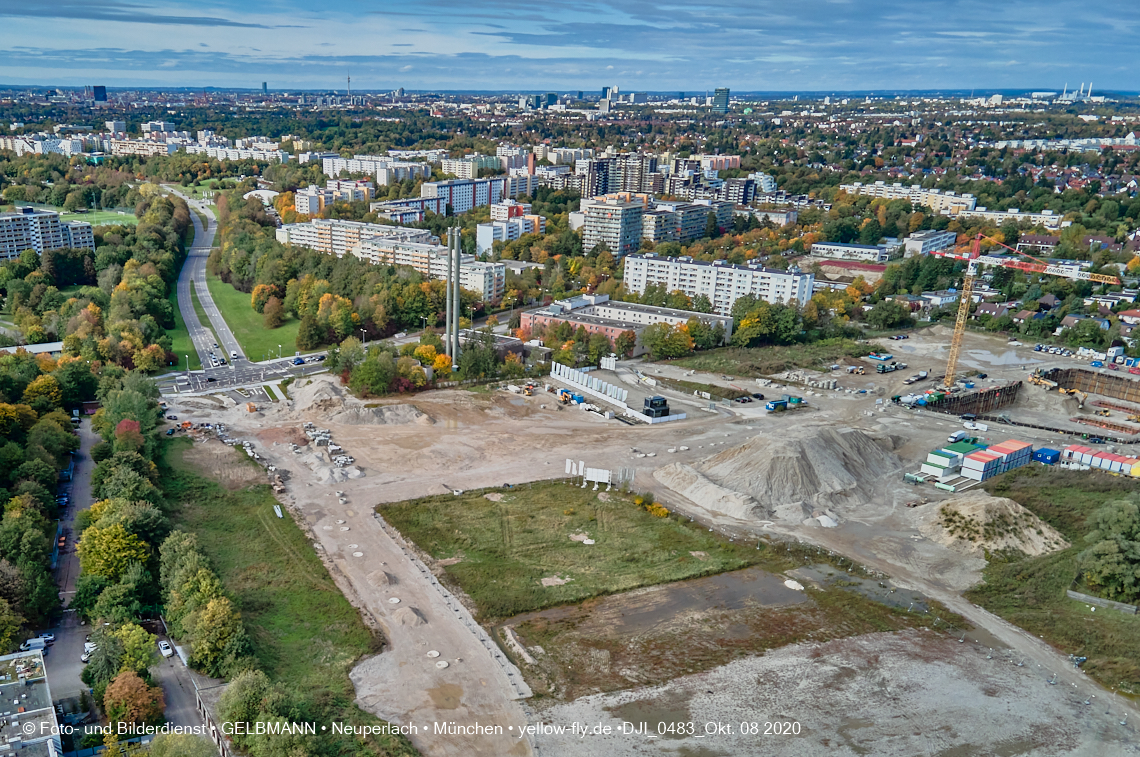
(786, 477)
(409, 616)
(976, 523)
(386, 415)
(691, 484)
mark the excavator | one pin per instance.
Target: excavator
(974, 258)
(1081, 396)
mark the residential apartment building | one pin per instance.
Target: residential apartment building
(411, 210)
(776, 217)
(350, 190)
(141, 147)
(721, 282)
(336, 237)
(470, 166)
(502, 211)
(1045, 218)
(431, 260)
(839, 251)
(486, 234)
(387, 170)
(78, 235)
(929, 240)
(597, 314)
(39, 230)
(237, 153)
(312, 200)
(464, 194)
(947, 203)
(615, 221)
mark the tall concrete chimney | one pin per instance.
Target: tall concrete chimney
(447, 284)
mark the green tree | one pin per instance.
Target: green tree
(888, 314)
(182, 745)
(625, 343)
(310, 334)
(109, 551)
(220, 642)
(138, 648)
(1112, 563)
(273, 313)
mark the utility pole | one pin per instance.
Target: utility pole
(447, 317)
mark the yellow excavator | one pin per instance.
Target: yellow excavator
(1081, 396)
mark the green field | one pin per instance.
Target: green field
(257, 342)
(508, 547)
(1030, 591)
(180, 343)
(102, 217)
(766, 361)
(305, 634)
(196, 192)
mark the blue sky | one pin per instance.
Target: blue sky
(823, 45)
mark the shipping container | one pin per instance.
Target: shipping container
(1047, 456)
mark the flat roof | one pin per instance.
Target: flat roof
(714, 263)
(652, 309)
(35, 349)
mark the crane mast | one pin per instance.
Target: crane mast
(974, 257)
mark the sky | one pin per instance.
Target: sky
(637, 45)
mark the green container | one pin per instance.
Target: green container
(946, 487)
(795, 400)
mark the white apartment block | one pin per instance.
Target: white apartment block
(470, 166)
(235, 153)
(431, 156)
(1045, 218)
(613, 222)
(486, 234)
(336, 237)
(312, 200)
(140, 147)
(929, 240)
(721, 282)
(387, 170)
(78, 235)
(764, 182)
(347, 190)
(935, 199)
(39, 230)
(464, 194)
(431, 260)
(839, 251)
(501, 211)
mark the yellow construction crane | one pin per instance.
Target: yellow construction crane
(974, 257)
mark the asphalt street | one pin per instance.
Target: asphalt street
(63, 663)
(193, 274)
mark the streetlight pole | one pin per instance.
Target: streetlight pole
(279, 352)
(364, 338)
(189, 382)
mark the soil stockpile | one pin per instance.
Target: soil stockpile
(790, 477)
(383, 415)
(978, 523)
(688, 482)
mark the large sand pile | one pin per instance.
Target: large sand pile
(322, 392)
(383, 415)
(788, 477)
(976, 523)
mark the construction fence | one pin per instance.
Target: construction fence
(978, 402)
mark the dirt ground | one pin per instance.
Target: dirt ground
(475, 440)
(217, 461)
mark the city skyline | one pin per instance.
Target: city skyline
(825, 46)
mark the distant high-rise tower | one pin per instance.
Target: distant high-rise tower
(265, 88)
(720, 100)
(349, 85)
(99, 93)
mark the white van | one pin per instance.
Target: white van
(233, 354)
(33, 644)
(957, 436)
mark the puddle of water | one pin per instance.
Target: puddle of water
(867, 587)
(656, 714)
(643, 610)
(1009, 357)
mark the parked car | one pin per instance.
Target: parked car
(320, 358)
(172, 417)
(170, 432)
(757, 396)
(1097, 364)
(210, 380)
(48, 637)
(165, 649)
(298, 361)
(85, 657)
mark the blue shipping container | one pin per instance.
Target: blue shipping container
(1047, 456)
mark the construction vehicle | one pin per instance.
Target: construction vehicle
(564, 396)
(1081, 396)
(974, 258)
(1037, 379)
(1103, 413)
(528, 390)
(776, 406)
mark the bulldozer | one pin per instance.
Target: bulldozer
(1103, 413)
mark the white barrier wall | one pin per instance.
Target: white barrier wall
(589, 383)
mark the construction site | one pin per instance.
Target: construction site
(890, 660)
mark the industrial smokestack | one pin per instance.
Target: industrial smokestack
(447, 283)
(456, 299)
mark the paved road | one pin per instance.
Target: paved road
(63, 664)
(194, 274)
(177, 690)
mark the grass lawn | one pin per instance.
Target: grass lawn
(180, 343)
(508, 547)
(766, 361)
(256, 341)
(103, 218)
(305, 634)
(1030, 592)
